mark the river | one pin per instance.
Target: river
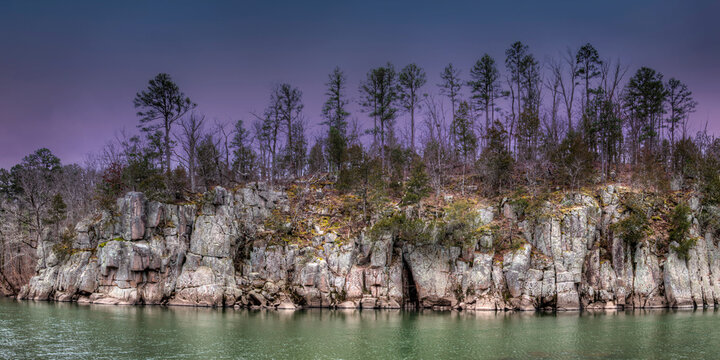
(37, 330)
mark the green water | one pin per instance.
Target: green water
(35, 330)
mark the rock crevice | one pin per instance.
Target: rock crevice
(209, 254)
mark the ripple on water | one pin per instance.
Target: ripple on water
(30, 330)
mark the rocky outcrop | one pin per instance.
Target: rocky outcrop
(211, 254)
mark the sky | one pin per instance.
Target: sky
(69, 70)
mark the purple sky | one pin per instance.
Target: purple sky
(69, 70)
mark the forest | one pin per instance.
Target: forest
(512, 125)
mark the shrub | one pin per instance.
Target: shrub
(519, 204)
(679, 229)
(709, 219)
(711, 187)
(687, 158)
(496, 163)
(633, 227)
(651, 171)
(680, 224)
(683, 248)
(528, 206)
(459, 226)
(417, 187)
(111, 187)
(63, 248)
(574, 161)
(401, 226)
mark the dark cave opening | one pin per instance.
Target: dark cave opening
(410, 295)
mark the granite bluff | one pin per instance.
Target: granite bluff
(216, 252)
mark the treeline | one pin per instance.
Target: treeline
(523, 125)
(571, 121)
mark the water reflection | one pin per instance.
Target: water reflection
(63, 330)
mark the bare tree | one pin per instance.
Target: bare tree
(225, 133)
(190, 136)
(553, 83)
(264, 148)
(267, 129)
(451, 87)
(411, 79)
(289, 108)
(209, 160)
(567, 86)
(435, 142)
(680, 105)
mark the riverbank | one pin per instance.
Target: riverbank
(255, 247)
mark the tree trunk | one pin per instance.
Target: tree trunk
(167, 145)
(191, 170)
(412, 127)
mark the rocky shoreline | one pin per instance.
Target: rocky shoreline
(210, 254)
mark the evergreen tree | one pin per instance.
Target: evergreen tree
(528, 128)
(316, 159)
(644, 98)
(528, 134)
(362, 175)
(680, 105)
(369, 102)
(496, 162)
(161, 105)
(530, 80)
(209, 157)
(335, 114)
(334, 110)
(57, 212)
(451, 85)
(381, 94)
(417, 187)
(574, 160)
(485, 86)
(289, 108)
(336, 149)
(42, 159)
(139, 173)
(465, 139)
(462, 128)
(609, 133)
(515, 63)
(243, 154)
(588, 61)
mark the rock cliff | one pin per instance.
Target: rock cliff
(210, 254)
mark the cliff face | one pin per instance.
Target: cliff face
(210, 255)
